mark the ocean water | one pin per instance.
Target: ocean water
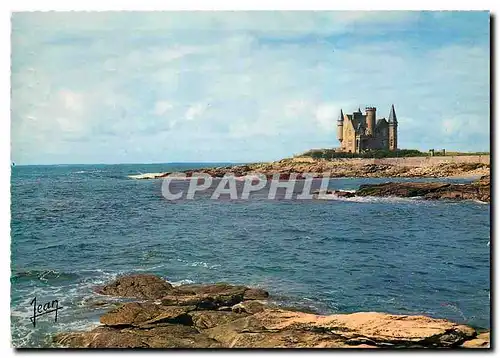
(75, 227)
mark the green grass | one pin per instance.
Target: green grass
(466, 153)
(332, 154)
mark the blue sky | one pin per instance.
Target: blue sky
(240, 86)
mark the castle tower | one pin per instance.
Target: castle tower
(340, 127)
(370, 120)
(393, 130)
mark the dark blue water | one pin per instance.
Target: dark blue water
(74, 227)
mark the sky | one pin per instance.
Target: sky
(157, 87)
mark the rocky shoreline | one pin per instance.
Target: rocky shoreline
(232, 316)
(477, 190)
(337, 169)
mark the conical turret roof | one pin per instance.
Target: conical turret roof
(392, 116)
(341, 116)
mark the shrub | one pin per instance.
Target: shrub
(381, 153)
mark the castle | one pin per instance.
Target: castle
(358, 132)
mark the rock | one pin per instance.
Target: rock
(279, 328)
(344, 194)
(484, 180)
(94, 302)
(362, 346)
(255, 294)
(399, 189)
(165, 336)
(100, 337)
(224, 308)
(211, 297)
(137, 286)
(210, 319)
(249, 307)
(196, 316)
(322, 192)
(144, 313)
(481, 341)
(344, 167)
(474, 191)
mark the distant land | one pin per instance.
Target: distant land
(400, 163)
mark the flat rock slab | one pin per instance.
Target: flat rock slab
(212, 297)
(479, 190)
(281, 328)
(163, 336)
(145, 313)
(399, 189)
(209, 319)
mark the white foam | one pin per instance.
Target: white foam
(368, 199)
(146, 176)
(202, 264)
(181, 282)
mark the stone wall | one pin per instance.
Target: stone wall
(424, 161)
(410, 161)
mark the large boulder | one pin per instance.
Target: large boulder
(255, 294)
(143, 286)
(212, 297)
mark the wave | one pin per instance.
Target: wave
(480, 202)
(371, 199)
(181, 282)
(43, 275)
(90, 172)
(203, 264)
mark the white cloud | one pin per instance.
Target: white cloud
(162, 107)
(195, 111)
(266, 22)
(451, 127)
(326, 115)
(72, 101)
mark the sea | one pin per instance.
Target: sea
(74, 227)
